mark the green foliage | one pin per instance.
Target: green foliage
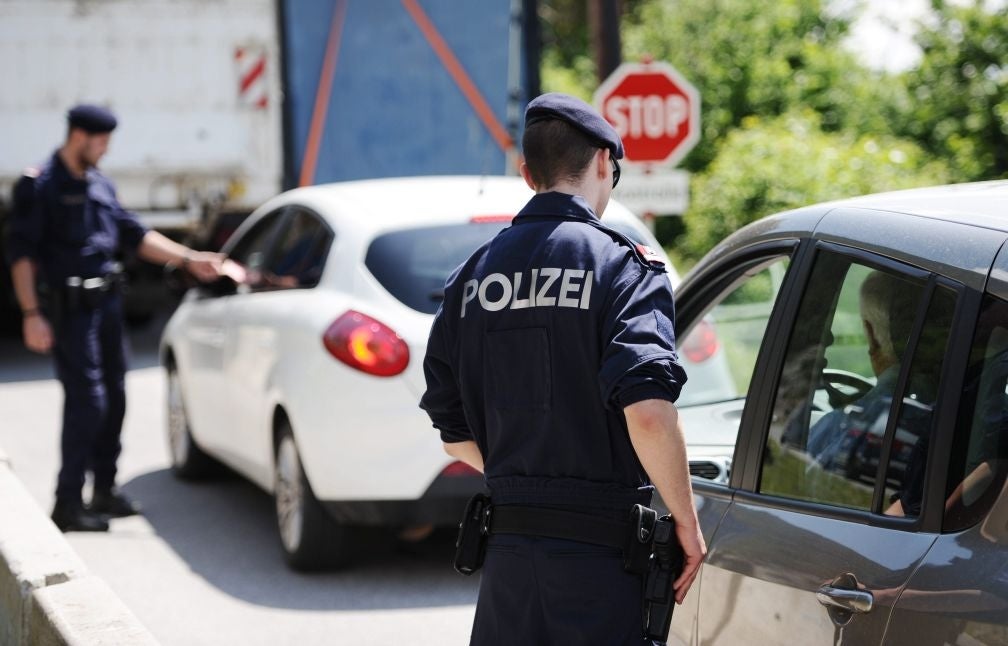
(766, 166)
(789, 117)
(757, 58)
(960, 90)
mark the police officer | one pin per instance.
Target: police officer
(66, 231)
(551, 368)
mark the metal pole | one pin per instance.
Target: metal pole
(604, 21)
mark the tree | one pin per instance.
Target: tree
(759, 58)
(771, 165)
(959, 109)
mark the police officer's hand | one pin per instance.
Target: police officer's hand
(694, 550)
(38, 336)
(204, 265)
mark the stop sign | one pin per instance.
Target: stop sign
(654, 109)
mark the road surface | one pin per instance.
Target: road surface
(202, 566)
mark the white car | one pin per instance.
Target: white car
(306, 378)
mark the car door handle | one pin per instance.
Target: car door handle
(857, 601)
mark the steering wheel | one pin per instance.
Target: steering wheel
(843, 387)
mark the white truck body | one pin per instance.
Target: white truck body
(196, 85)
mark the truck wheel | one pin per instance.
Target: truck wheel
(188, 461)
(310, 538)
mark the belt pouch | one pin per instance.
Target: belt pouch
(470, 546)
(637, 551)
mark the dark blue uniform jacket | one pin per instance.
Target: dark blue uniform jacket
(70, 226)
(544, 335)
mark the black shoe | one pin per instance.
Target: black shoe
(73, 517)
(109, 502)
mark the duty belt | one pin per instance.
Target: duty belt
(553, 523)
(89, 292)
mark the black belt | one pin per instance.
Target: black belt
(553, 523)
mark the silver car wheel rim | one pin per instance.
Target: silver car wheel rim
(289, 495)
(178, 431)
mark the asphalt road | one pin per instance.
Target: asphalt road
(202, 565)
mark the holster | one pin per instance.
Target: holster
(637, 551)
(664, 568)
(474, 530)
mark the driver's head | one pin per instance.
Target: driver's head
(888, 308)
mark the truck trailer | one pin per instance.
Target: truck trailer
(224, 103)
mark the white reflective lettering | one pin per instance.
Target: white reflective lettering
(574, 290)
(568, 286)
(468, 293)
(551, 274)
(522, 303)
(586, 292)
(501, 303)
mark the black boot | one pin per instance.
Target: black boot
(73, 517)
(112, 503)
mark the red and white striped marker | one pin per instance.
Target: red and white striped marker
(251, 67)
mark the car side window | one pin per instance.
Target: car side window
(718, 347)
(719, 351)
(254, 245)
(299, 256)
(978, 465)
(851, 366)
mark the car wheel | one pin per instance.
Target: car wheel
(311, 540)
(188, 461)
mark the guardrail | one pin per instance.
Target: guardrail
(47, 596)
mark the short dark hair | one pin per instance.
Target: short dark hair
(555, 150)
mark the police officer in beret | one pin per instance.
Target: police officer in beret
(551, 368)
(66, 231)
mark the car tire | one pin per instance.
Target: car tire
(310, 538)
(188, 460)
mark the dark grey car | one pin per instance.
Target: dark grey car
(867, 501)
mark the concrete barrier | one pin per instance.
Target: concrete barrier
(47, 597)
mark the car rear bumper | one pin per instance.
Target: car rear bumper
(441, 505)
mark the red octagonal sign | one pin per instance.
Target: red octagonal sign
(654, 109)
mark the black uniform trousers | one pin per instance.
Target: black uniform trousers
(539, 591)
(90, 357)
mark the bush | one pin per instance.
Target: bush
(773, 165)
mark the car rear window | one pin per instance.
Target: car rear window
(413, 264)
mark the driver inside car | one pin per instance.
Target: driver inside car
(887, 310)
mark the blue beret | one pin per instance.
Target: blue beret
(91, 118)
(577, 113)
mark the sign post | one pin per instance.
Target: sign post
(657, 115)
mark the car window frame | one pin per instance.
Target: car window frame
(770, 366)
(692, 304)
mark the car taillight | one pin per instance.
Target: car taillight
(456, 469)
(701, 343)
(368, 345)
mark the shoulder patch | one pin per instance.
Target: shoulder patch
(650, 255)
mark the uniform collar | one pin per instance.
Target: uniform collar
(555, 203)
(63, 173)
